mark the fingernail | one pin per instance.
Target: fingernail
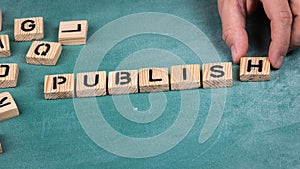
(279, 61)
(233, 53)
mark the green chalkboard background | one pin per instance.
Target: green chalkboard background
(258, 126)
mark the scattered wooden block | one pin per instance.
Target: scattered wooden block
(73, 32)
(217, 75)
(43, 53)
(91, 84)
(153, 79)
(8, 107)
(4, 46)
(123, 82)
(8, 75)
(59, 86)
(255, 69)
(27, 29)
(0, 20)
(1, 151)
(184, 77)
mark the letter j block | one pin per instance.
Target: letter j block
(59, 86)
(27, 29)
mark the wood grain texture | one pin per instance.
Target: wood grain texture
(59, 86)
(0, 20)
(217, 75)
(253, 73)
(8, 107)
(9, 75)
(43, 53)
(4, 46)
(1, 151)
(89, 85)
(68, 35)
(123, 82)
(183, 77)
(158, 82)
(36, 34)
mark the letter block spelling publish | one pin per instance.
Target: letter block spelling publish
(217, 75)
(91, 84)
(27, 29)
(255, 69)
(153, 80)
(73, 32)
(44, 53)
(4, 46)
(123, 82)
(8, 75)
(8, 107)
(59, 86)
(184, 77)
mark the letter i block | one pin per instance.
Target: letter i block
(254, 69)
(217, 75)
(91, 84)
(185, 77)
(8, 75)
(8, 107)
(43, 53)
(59, 86)
(123, 82)
(154, 80)
(27, 29)
(73, 32)
(4, 46)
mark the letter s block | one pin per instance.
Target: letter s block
(27, 29)
(217, 75)
(59, 86)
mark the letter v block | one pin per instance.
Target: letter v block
(123, 82)
(27, 29)
(91, 84)
(59, 86)
(4, 46)
(254, 69)
(217, 75)
(8, 107)
(43, 53)
(8, 75)
(153, 80)
(73, 32)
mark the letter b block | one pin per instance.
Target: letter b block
(27, 29)
(254, 69)
(217, 75)
(123, 82)
(59, 86)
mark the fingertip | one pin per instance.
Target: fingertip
(277, 62)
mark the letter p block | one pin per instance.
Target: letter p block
(59, 86)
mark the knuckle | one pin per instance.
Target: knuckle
(286, 18)
(227, 35)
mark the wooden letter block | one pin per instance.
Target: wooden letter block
(254, 69)
(217, 75)
(153, 80)
(184, 77)
(43, 53)
(0, 20)
(123, 82)
(59, 86)
(27, 29)
(4, 46)
(91, 84)
(73, 32)
(1, 151)
(8, 107)
(8, 75)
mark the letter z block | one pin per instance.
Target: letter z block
(27, 29)
(123, 82)
(8, 75)
(4, 46)
(59, 86)
(73, 32)
(217, 75)
(253, 69)
(8, 107)
(153, 80)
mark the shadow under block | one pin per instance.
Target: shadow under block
(8, 75)
(73, 32)
(184, 77)
(217, 75)
(253, 69)
(4, 46)
(123, 82)
(59, 86)
(91, 84)
(27, 29)
(0, 20)
(153, 80)
(8, 107)
(44, 53)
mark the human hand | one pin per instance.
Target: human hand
(285, 26)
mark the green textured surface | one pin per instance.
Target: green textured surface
(259, 129)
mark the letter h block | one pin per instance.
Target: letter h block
(59, 86)
(27, 29)
(217, 75)
(253, 69)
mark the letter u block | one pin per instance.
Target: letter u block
(59, 86)
(217, 75)
(27, 29)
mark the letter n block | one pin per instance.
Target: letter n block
(4, 46)
(184, 77)
(91, 84)
(59, 86)
(123, 82)
(217, 75)
(8, 75)
(43, 53)
(27, 29)
(73, 32)
(154, 80)
(8, 107)
(253, 69)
